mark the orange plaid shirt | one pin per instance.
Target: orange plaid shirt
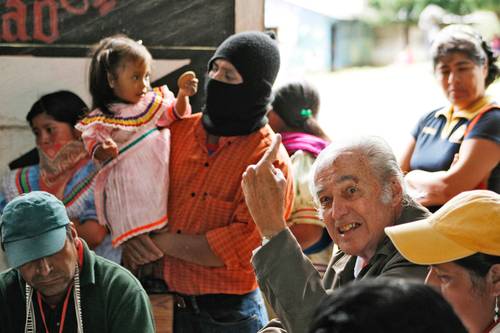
(206, 198)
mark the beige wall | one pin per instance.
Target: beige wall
(249, 15)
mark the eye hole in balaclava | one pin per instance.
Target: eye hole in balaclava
(240, 109)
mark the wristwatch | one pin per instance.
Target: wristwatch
(265, 240)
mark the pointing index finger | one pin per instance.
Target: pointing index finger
(272, 152)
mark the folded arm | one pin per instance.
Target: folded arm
(477, 158)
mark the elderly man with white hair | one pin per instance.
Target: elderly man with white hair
(359, 188)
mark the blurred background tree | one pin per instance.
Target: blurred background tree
(409, 10)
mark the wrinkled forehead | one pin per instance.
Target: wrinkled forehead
(340, 168)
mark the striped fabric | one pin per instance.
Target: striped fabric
(78, 194)
(155, 103)
(128, 197)
(206, 198)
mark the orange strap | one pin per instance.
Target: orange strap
(63, 315)
(79, 248)
(482, 185)
(474, 120)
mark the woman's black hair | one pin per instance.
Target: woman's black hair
(297, 104)
(62, 105)
(479, 263)
(386, 306)
(464, 39)
(107, 56)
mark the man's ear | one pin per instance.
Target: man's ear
(72, 228)
(493, 277)
(111, 79)
(397, 192)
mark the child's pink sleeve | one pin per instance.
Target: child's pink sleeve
(169, 115)
(93, 135)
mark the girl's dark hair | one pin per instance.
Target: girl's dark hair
(464, 39)
(107, 56)
(297, 104)
(386, 306)
(63, 106)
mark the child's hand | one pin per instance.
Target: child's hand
(110, 148)
(107, 150)
(188, 84)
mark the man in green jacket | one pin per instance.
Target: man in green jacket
(358, 186)
(57, 284)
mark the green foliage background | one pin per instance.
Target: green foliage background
(409, 10)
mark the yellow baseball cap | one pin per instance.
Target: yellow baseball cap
(467, 224)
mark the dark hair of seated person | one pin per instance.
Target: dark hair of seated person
(385, 305)
(63, 106)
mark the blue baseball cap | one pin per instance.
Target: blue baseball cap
(33, 226)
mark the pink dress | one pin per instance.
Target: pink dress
(131, 190)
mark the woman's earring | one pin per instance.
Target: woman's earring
(496, 309)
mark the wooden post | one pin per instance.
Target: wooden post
(163, 312)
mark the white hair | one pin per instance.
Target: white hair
(379, 155)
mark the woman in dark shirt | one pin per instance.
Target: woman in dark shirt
(457, 147)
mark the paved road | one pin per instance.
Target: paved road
(384, 101)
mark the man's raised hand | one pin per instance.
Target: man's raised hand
(264, 188)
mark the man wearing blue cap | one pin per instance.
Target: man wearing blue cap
(57, 284)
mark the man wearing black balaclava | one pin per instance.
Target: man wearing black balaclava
(210, 235)
(240, 109)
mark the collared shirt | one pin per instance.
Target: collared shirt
(358, 266)
(205, 198)
(440, 133)
(453, 117)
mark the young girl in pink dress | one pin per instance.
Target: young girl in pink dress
(121, 133)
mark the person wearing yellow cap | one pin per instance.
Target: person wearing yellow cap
(461, 243)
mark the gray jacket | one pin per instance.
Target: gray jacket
(294, 288)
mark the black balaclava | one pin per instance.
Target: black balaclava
(240, 109)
